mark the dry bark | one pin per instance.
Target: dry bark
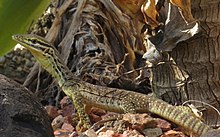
(191, 69)
(100, 44)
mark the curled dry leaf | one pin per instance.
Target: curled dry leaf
(185, 9)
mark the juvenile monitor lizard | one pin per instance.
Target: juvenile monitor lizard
(111, 99)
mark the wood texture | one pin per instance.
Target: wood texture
(194, 72)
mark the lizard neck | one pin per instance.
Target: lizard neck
(56, 67)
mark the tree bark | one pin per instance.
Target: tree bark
(194, 72)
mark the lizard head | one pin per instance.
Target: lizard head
(41, 49)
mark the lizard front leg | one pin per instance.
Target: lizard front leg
(84, 122)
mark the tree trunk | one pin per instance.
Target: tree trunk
(194, 72)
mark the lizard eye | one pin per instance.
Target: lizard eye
(34, 41)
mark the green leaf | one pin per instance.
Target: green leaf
(16, 16)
